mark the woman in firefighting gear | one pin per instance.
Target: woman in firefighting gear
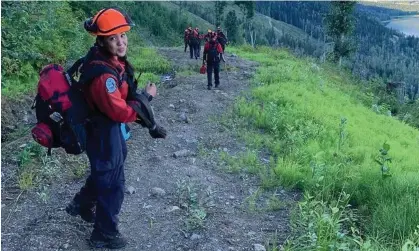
(109, 80)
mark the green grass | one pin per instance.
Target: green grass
(299, 106)
(146, 59)
(186, 73)
(33, 167)
(195, 201)
(36, 169)
(14, 87)
(247, 161)
(187, 70)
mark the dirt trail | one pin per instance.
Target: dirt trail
(153, 221)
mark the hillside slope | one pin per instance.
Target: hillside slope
(262, 25)
(327, 138)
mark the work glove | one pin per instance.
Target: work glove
(140, 122)
(157, 132)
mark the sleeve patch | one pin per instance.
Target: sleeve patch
(110, 85)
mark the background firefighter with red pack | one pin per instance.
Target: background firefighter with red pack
(221, 38)
(213, 53)
(194, 41)
(186, 34)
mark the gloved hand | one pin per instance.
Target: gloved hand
(140, 122)
(157, 132)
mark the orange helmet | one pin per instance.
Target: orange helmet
(107, 22)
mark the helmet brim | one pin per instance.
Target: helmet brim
(113, 32)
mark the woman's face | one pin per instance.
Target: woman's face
(117, 44)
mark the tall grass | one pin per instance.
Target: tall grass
(317, 127)
(146, 59)
(149, 63)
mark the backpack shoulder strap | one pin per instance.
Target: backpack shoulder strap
(75, 67)
(96, 70)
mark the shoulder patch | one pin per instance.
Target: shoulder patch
(110, 85)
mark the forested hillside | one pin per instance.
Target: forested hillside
(380, 54)
(397, 55)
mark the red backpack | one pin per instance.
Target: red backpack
(212, 55)
(61, 110)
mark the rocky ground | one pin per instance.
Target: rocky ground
(179, 196)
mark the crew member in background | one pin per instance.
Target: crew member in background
(213, 53)
(194, 43)
(222, 38)
(186, 38)
(200, 37)
(207, 37)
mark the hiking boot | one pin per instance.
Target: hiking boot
(98, 240)
(87, 214)
(216, 86)
(209, 87)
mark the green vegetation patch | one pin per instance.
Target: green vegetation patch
(319, 131)
(145, 59)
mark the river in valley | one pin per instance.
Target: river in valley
(408, 25)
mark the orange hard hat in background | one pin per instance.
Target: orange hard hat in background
(109, 21)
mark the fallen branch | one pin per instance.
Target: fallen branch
(18, 139)
(14, 208)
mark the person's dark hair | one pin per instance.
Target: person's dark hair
(100, 42)
(100, 39)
